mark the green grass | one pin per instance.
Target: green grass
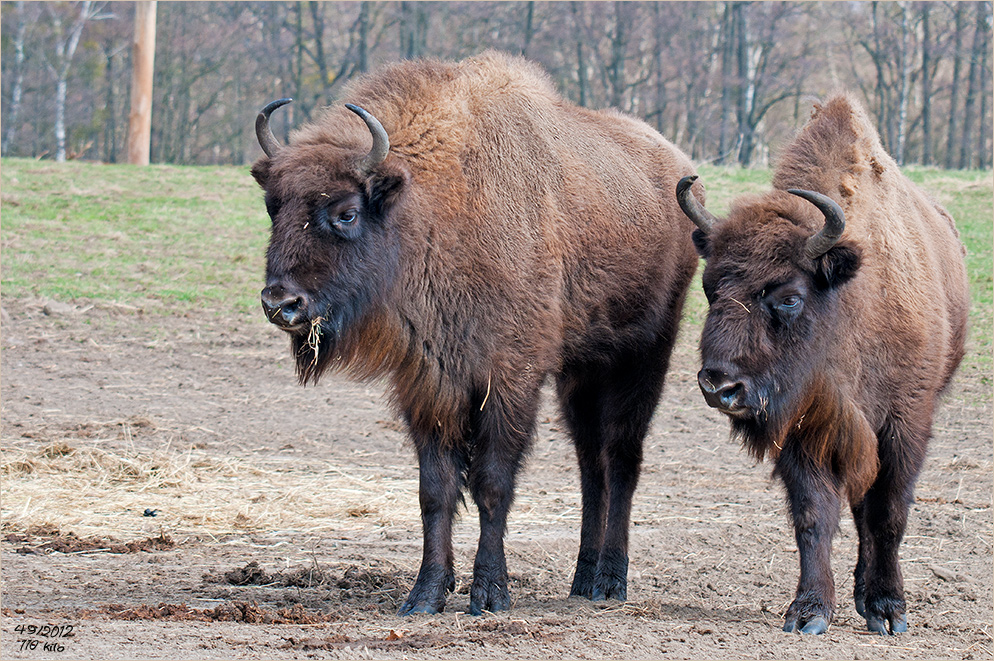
(175, 240)
(161, 237)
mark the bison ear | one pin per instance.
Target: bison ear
(261, 171)
(702, 243)
(385, 187)
(837, 266)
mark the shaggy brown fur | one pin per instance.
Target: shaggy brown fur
(507, 236)
(831, 367)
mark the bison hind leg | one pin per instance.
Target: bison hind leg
(882, 518)
(607, 408)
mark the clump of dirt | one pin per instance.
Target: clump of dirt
(235, 611)
(52, 540)
(386, 588)
(253, 574)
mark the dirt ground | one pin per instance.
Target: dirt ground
(286, 521)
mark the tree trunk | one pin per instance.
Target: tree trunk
(983, 151)
(302, 106)
(882, 92)
(362, 52)
(413, 30)
(926, 85)
(616, 69)
(954, 90)
(17, 90)
(660, 83)
(64, 52)
(143, 68)
(60, 119)
(746, 83)
(317, 16)
(529, 28)
(904, 60)
(973, 85)
(110, 124)
(581, 60)
(727, 80)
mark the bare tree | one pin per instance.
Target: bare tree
(905, 60)
(579, 24)
(529, 27)
(65, 42)
(413, 29)
(978, 52)
(982, 148)
(17, 91)
(927, 74)
(712, 76)
(960, 17)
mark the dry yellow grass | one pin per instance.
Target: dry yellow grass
(80, 486)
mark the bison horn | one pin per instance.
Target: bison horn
(267, 140)
(835, 222)
(697, 213)
(381, 142)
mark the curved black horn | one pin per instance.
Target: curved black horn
(267, 140)
(697, 213)
(835, 222)
(381, 142)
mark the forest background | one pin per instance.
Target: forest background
(728, 82)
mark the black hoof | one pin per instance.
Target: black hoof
(609, 589)
(417, 609)
(808, 617)
(879, 625)
(430, 599)
(492, 598)
(815, 626)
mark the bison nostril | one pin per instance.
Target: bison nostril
(283, 309)
(730, 395)
(711, 380)
(720, 391)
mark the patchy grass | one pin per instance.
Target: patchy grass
(177, 240)
(172, 239)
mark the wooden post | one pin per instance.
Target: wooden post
(143, 56)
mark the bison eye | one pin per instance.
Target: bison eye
(789, 307)
(348, 217)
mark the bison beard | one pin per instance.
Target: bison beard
(477, 236)
(828, 341)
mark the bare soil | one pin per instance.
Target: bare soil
(247, 517)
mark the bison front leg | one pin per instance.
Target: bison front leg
(440, 474)
(815, 501)
(501, 437)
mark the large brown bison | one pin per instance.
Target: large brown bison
(465, 232)
(838, 309)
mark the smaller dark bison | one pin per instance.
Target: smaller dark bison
(465, 232)
(838, 310)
